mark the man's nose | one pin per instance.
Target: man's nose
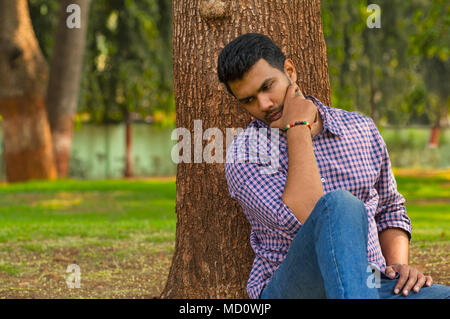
(265, 103)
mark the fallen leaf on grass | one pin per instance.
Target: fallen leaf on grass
(53, 277)
(61, 258)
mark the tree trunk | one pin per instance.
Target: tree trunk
(213, 256)
(434, 136)
(64, 82)
(128, 149)
(23, 78)
(441, 122)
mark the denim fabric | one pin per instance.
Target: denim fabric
(328, 257)
(435, 291)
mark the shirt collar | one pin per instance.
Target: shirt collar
(330, 120)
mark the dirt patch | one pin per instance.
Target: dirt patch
(432, 259)
(125, 270)
(130, 269)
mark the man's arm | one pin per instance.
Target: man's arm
(394, 227)
(394, 244)
(303, 186)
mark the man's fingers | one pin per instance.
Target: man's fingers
(298, 92)
(421, 279)
(412, 280)
(293, 90)
(429, 281)
(290, 90)
(390, 272)
(404, 274)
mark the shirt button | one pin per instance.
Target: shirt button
(323, 180)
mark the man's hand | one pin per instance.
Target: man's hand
(410, 278)
(296, 108)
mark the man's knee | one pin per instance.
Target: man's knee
(345, 205)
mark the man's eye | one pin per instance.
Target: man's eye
(268, 86)
(248, 101)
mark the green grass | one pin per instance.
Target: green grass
(9, 269)
(413, 188)
(122, 233)
(428, 206)
(123, 209)
(116, 209)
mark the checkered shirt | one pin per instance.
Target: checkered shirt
(351, 154)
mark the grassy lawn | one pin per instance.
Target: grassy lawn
(428, 205)
(121, 233)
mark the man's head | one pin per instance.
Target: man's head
(257, 73)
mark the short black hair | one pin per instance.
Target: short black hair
(238, 56)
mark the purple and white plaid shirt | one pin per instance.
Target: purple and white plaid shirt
(351, 154)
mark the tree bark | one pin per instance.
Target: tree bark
(213, 257)
(64, 82)
(440, 122)
(23, 79)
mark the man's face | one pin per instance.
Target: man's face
(262, 90)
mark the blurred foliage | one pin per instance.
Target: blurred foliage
(127, 71)
(44, 15)
(396, 73)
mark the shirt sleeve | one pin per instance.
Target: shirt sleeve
(391, 211)
(259, 193)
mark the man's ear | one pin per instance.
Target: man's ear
(289, 69)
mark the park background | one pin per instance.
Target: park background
(113, 210)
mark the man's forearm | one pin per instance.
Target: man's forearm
(394, 244)
(303, 185)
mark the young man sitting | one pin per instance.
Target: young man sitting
(329, 219)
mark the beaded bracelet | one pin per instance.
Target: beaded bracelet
(298, 123)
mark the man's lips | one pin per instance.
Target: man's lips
(275, 115)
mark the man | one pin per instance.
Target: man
(329, 221)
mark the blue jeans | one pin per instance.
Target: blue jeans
(327, 258)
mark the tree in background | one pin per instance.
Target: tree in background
(64, 82)
(431, 44)
(127, 73)
(370, 70)
(212, 256)
(28, 149)
(381, 72)
(127, 70)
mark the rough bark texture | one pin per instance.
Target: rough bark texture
(23, 77)
(64, 82)
(212, 256)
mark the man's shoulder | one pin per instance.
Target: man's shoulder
(352, 121)
(352, 116)
(341, 121)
